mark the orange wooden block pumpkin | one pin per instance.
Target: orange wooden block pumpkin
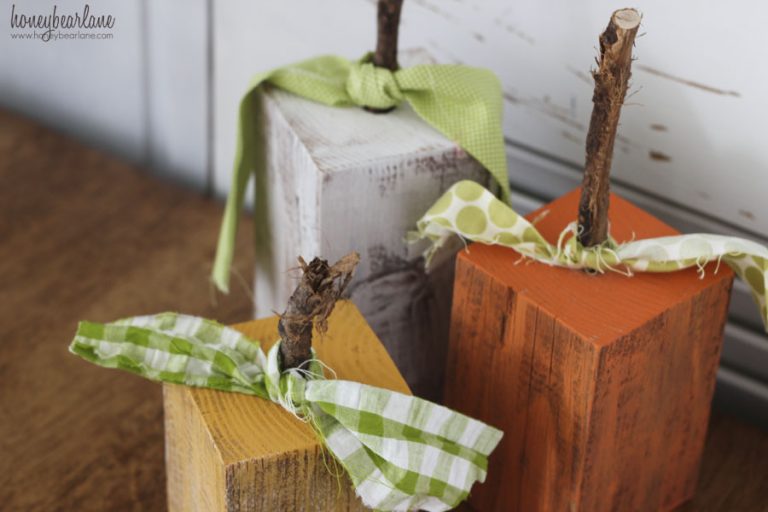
(602, 384)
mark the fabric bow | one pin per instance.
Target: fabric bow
(461, 102)
(401, 452)
(469, 210)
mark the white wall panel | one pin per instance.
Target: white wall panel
(178, 89)
(143, 94)
(92, 89)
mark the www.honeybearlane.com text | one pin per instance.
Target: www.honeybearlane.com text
(59, 36)
(47, 23)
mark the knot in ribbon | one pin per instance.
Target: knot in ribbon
(401, 452)
(288, 387)
(571, 254)
(461, 102)
(371, 86)
(472, 212)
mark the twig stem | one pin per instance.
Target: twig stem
(311, 303)
(386, 39)
(611, 82)
(388, 26)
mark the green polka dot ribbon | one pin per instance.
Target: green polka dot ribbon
(472, 212)
(401, 452)
(463, 103)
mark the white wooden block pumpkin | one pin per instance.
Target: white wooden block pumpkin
(343, 179)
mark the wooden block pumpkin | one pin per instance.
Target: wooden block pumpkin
(344, 179)
(601, 383)
(256, 446)
(228, 451)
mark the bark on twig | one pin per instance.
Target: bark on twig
(611, 81)
(386, 39)
(311, 304)
(388, 25)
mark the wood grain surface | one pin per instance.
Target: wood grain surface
(85, 237)
(228, 451)
(80, 237)
(601, 383)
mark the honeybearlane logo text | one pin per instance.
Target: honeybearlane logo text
(55, 25)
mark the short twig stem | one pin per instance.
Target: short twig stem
(310, 305)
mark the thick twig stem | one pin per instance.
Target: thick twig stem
(311, 303)
(611, 81)
(388, 25)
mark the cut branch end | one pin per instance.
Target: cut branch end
(310, 305)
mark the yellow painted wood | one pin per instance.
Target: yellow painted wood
(227, 451)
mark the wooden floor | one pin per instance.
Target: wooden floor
(85, 237)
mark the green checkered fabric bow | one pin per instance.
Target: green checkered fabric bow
(401, 452)
(472, 212)
(461, 102)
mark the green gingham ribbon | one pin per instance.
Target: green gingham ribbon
(461, 102)
(469, 210)
(401, 452)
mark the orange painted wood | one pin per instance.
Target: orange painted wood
(602, 384)
(233, 452)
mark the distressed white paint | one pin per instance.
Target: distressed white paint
(542, 52)
(341, 180)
